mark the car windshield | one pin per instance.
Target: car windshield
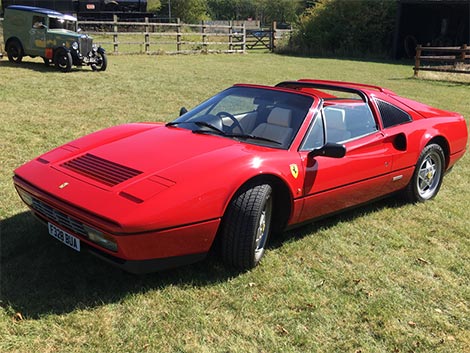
(255, 115)
(61, 23)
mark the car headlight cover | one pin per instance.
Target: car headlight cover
(75, 45)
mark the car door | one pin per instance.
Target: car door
(331, 184)
(37, 35)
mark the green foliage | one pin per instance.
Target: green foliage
(153, 5)
(189, 11)
(346, 28)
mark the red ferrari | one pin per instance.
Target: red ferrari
(250, 161)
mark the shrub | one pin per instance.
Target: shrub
(346, 28)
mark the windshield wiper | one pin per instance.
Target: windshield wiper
(210, 126)
(254, 137)
(200, 124)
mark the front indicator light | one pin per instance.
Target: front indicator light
(27, 198)
(101, 239)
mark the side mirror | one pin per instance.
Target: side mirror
(183, 111)
(333, 150)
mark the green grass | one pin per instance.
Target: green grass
(387, 277)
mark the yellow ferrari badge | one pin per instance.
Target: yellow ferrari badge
(294, 170)
(64, 185)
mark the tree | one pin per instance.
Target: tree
(264, 10)
(279, 10)
(153, 5)
(189, 11)
(346, 28)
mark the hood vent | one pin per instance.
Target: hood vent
(99, 169)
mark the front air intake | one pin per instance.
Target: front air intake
(99, 169)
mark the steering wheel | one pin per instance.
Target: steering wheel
(220, 115)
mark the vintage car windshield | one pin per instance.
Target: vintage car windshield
(61, 23)
(255, 115)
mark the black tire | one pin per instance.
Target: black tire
(14, 51)
(63, 60)
(428, 175)
(246, 227)
(101, 62)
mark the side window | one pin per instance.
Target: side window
(391, 115)
(315, 135)
(38, 22)
(348, 121)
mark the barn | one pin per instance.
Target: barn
(431, 22)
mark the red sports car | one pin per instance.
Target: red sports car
(250, 161)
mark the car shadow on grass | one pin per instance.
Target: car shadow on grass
(39, 275)
(36, 66)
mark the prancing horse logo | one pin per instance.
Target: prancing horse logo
(294, 169)
(64, 185)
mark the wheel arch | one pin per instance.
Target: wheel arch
(282, 198)
(13, 39)
(444, 144)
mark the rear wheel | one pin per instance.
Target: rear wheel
(246, 227)
(14, 51)
(63, 60)
(428, 174)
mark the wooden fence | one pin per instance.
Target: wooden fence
(177, 38)
(170, 38)
(442, 59)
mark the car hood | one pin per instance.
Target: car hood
(155, 150)
(118, 173)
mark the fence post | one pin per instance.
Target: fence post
(178, 35)
(203, 31)
(272, 39)
(230, 36)
(244, 38)
(115, 35)
(147, 36)
(417, 59)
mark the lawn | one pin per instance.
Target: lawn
(387, 277)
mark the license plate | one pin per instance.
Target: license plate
(64, 237)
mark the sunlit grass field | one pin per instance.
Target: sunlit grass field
(386, 277)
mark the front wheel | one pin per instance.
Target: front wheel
(63, 60)
(246, 227)
(101, 62)
(428, 174)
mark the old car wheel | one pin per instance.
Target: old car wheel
(63, 61)
(101, 62)
(246, 227)
(428, 174)
(14, 51)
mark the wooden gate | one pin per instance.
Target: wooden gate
(259, 39)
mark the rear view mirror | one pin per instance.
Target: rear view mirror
(183, 111)
(333, 150)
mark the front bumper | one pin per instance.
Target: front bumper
(145, 251)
